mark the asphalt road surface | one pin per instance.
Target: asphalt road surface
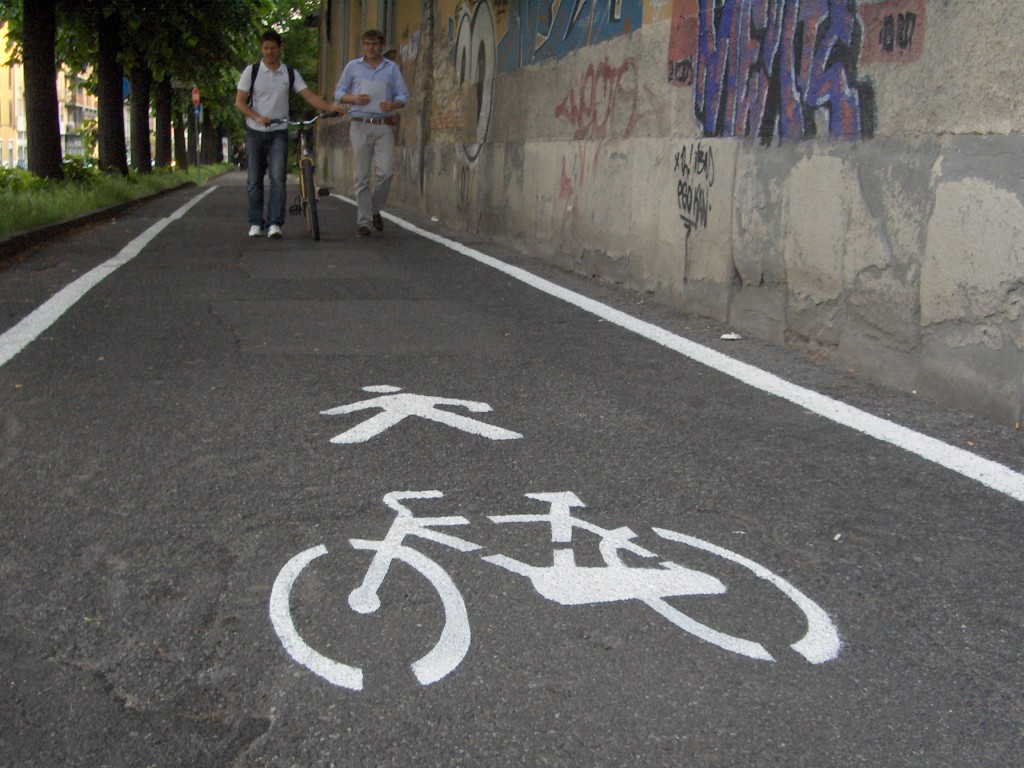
(405, 501)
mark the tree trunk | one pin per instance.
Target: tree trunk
(43, 120)
(180, 147)
(211, 140)
(163, 123)
(110, 93)
(193, 135)
(142, 81)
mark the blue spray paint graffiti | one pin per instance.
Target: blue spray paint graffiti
(770, 68)
(543, 31)
(533, 32)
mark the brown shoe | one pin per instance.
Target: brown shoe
(363, 232)
(378, 222)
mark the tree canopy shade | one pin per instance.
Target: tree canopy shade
(154, 45)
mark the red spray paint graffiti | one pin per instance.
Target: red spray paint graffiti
(605, 104)
(603, 108)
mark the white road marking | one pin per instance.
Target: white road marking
(985, 471)
(453, 645)
(566, 583)
(396, 406)
(281, 617)
(33, 325)
(821, 642)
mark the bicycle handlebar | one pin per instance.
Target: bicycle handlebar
(310, 121)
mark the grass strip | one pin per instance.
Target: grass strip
(31, 203)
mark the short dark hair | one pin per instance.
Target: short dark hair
(373, 34)
(271, 35)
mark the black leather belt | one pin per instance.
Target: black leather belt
(375, 120)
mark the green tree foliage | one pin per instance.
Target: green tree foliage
(301, 43)
(160, 45)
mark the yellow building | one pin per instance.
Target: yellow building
(77, 112)
(76, 109)
(12, 110)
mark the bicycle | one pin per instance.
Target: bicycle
(305, 161)
(563, 582)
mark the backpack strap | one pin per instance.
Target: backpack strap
(252, 81)
(256, 70)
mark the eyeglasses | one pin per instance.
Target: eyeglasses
(372, 42)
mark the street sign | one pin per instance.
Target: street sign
(195, 95)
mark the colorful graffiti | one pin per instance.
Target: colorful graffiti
(773, 68)
(490, 36)
(530, 33)
(540, 32)
(763, 69)
(487, 37)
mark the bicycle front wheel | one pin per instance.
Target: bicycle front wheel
(309, 199)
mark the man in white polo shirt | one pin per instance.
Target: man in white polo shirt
(266, 143)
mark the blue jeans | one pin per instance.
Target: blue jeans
(266, 150)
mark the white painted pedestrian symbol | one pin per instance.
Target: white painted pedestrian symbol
(396, 406)
(562, 582)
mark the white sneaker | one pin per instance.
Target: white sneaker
(255, 231)
(274, 231)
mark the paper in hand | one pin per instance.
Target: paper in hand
(377, 92)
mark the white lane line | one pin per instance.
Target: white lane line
(988, 473)
(30, 327)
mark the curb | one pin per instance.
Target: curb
(19, 242)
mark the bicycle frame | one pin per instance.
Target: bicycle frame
(305, 164)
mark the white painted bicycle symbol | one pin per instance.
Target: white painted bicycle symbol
(563, 582)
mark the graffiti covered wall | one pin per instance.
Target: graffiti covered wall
(769, 68)
(807, 171)
(776, 68)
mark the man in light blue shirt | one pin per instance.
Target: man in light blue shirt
(376, 89)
